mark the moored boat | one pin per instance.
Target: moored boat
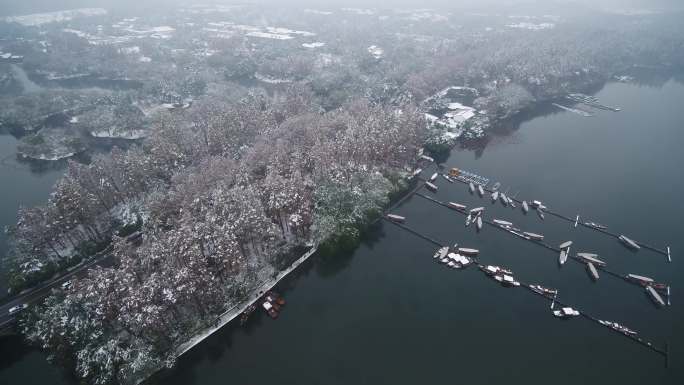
(502, 223)
(596, 225)
(592, 271)
(433, 177)
(471, 186)
(479, 222)
(566, 312)
(457, 206)
(543, 290)
(480, 191)
(477, 210)
(563, 257)
(494, 270)
(396, 218)
(525, 208)
(591, 258)
(565, 245)
(655, 296)
(448, 178)
(441, 252)
(540, 213)
(432, 187)
(503, 199)
(495, 196)
(534, 236)
(629, 242)
(469, 219)
(620, 328)
(508, 280)
(468, 251)
(640, 279)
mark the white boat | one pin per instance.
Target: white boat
(479, 223)
(467, 251)
(616, 326)
(511, 202)
(566, 312)
(451, 264)
(640, 279)
(540, 213)
(533, 236)
(592, 271)
(493, 270)
(503, 223)
(416, 172)
(565, 245)
(655, 296)
(596, 225)
(563, 257)
(629, 243)
(495, 196)
(469, 219)
(396, 218)
(448, 178)
(525, 207)
(457, 206)
(508, 280)
(543, 290)
(480, 191)
(430, 186)
(471, 186)
(536, 204)
(582, 255)
(477, 210)
(590, 258)
(503, 199)
(441, 252)
(433, 177)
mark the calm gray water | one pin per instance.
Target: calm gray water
(388, 314)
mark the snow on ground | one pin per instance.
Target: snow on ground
(376, 51)
(36, 19)
(130, 50)
(531, 26)
(267, 35)
(270, 80)
(359, 11)
(113, 132)
(145, 59)
(313, 45)
(317, 12)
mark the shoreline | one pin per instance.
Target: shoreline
(230, 314)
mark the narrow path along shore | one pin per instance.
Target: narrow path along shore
(235, 311)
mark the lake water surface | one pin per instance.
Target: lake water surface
(387, 313)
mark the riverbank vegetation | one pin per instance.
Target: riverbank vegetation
(223, 201)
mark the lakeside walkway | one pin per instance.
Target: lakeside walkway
(235, 311)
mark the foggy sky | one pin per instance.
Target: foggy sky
(17, 7)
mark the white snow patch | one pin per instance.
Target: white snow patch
(313, 45)
(317, 12)
(36, 19)
(376, 51)
(267, 35)
(531, 26)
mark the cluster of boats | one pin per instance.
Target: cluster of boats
(459, 258)
(271, 302)
(508, 226)
(653, 289)
(566, 312)
(501, 275)
(475, 216)
(617, 327)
